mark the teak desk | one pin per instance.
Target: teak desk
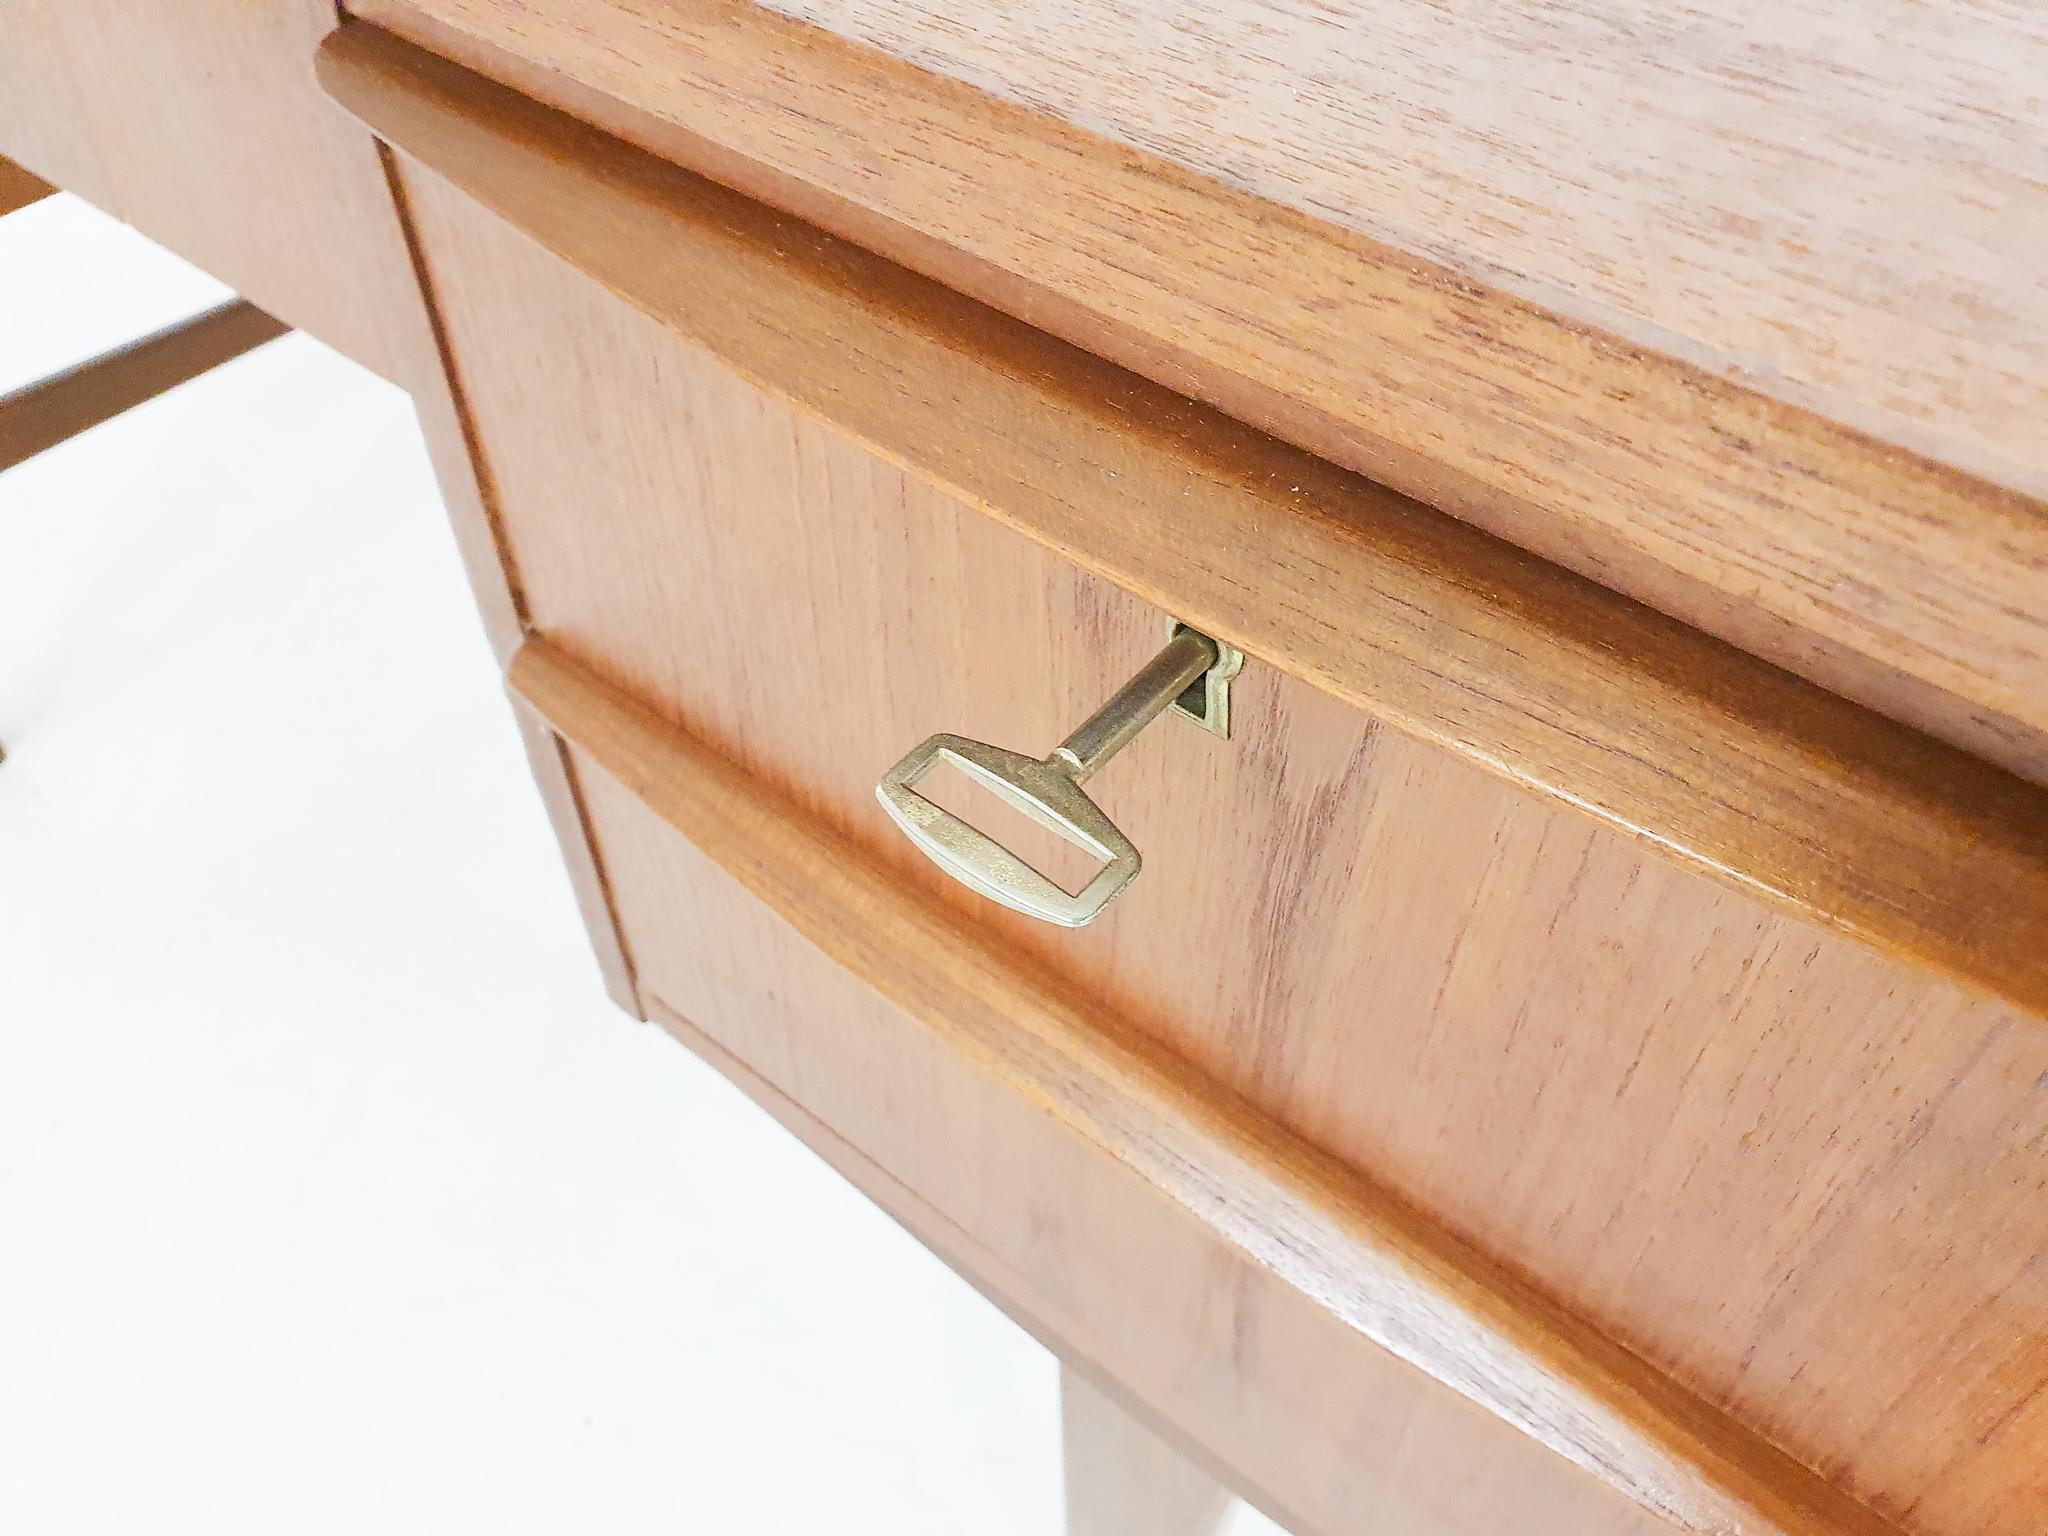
(1529, 1013)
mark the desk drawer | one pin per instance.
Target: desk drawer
(1743, 1074)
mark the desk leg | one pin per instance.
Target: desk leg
(1123, 1480)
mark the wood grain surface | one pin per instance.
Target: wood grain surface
(1819, 1171)
(45, 413)
(1836, 203)
(1408, 961)
(1292, 1210)
(1764, 354)
(198, 122)
(1818, 1188)
(1770, 785)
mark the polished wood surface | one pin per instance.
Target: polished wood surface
(45, 413)
(1855, 496)
(18, 188)
(1122, 1479)
(1430, 973)
(1556, 1073)
(198, 122)
(1296, 1212)
(1412, 963)
(1834, 203)
(1774, 787)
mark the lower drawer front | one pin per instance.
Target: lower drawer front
(1328, 1433)
(1800, 1178)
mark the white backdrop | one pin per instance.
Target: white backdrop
(334, 1197)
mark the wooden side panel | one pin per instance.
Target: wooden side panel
(1685, 469)
(199, 123)
(1802, 1179)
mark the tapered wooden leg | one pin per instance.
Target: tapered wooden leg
(1123, 1480)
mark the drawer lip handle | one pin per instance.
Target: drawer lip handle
(1048, 790)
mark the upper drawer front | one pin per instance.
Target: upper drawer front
(1715, 1131)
